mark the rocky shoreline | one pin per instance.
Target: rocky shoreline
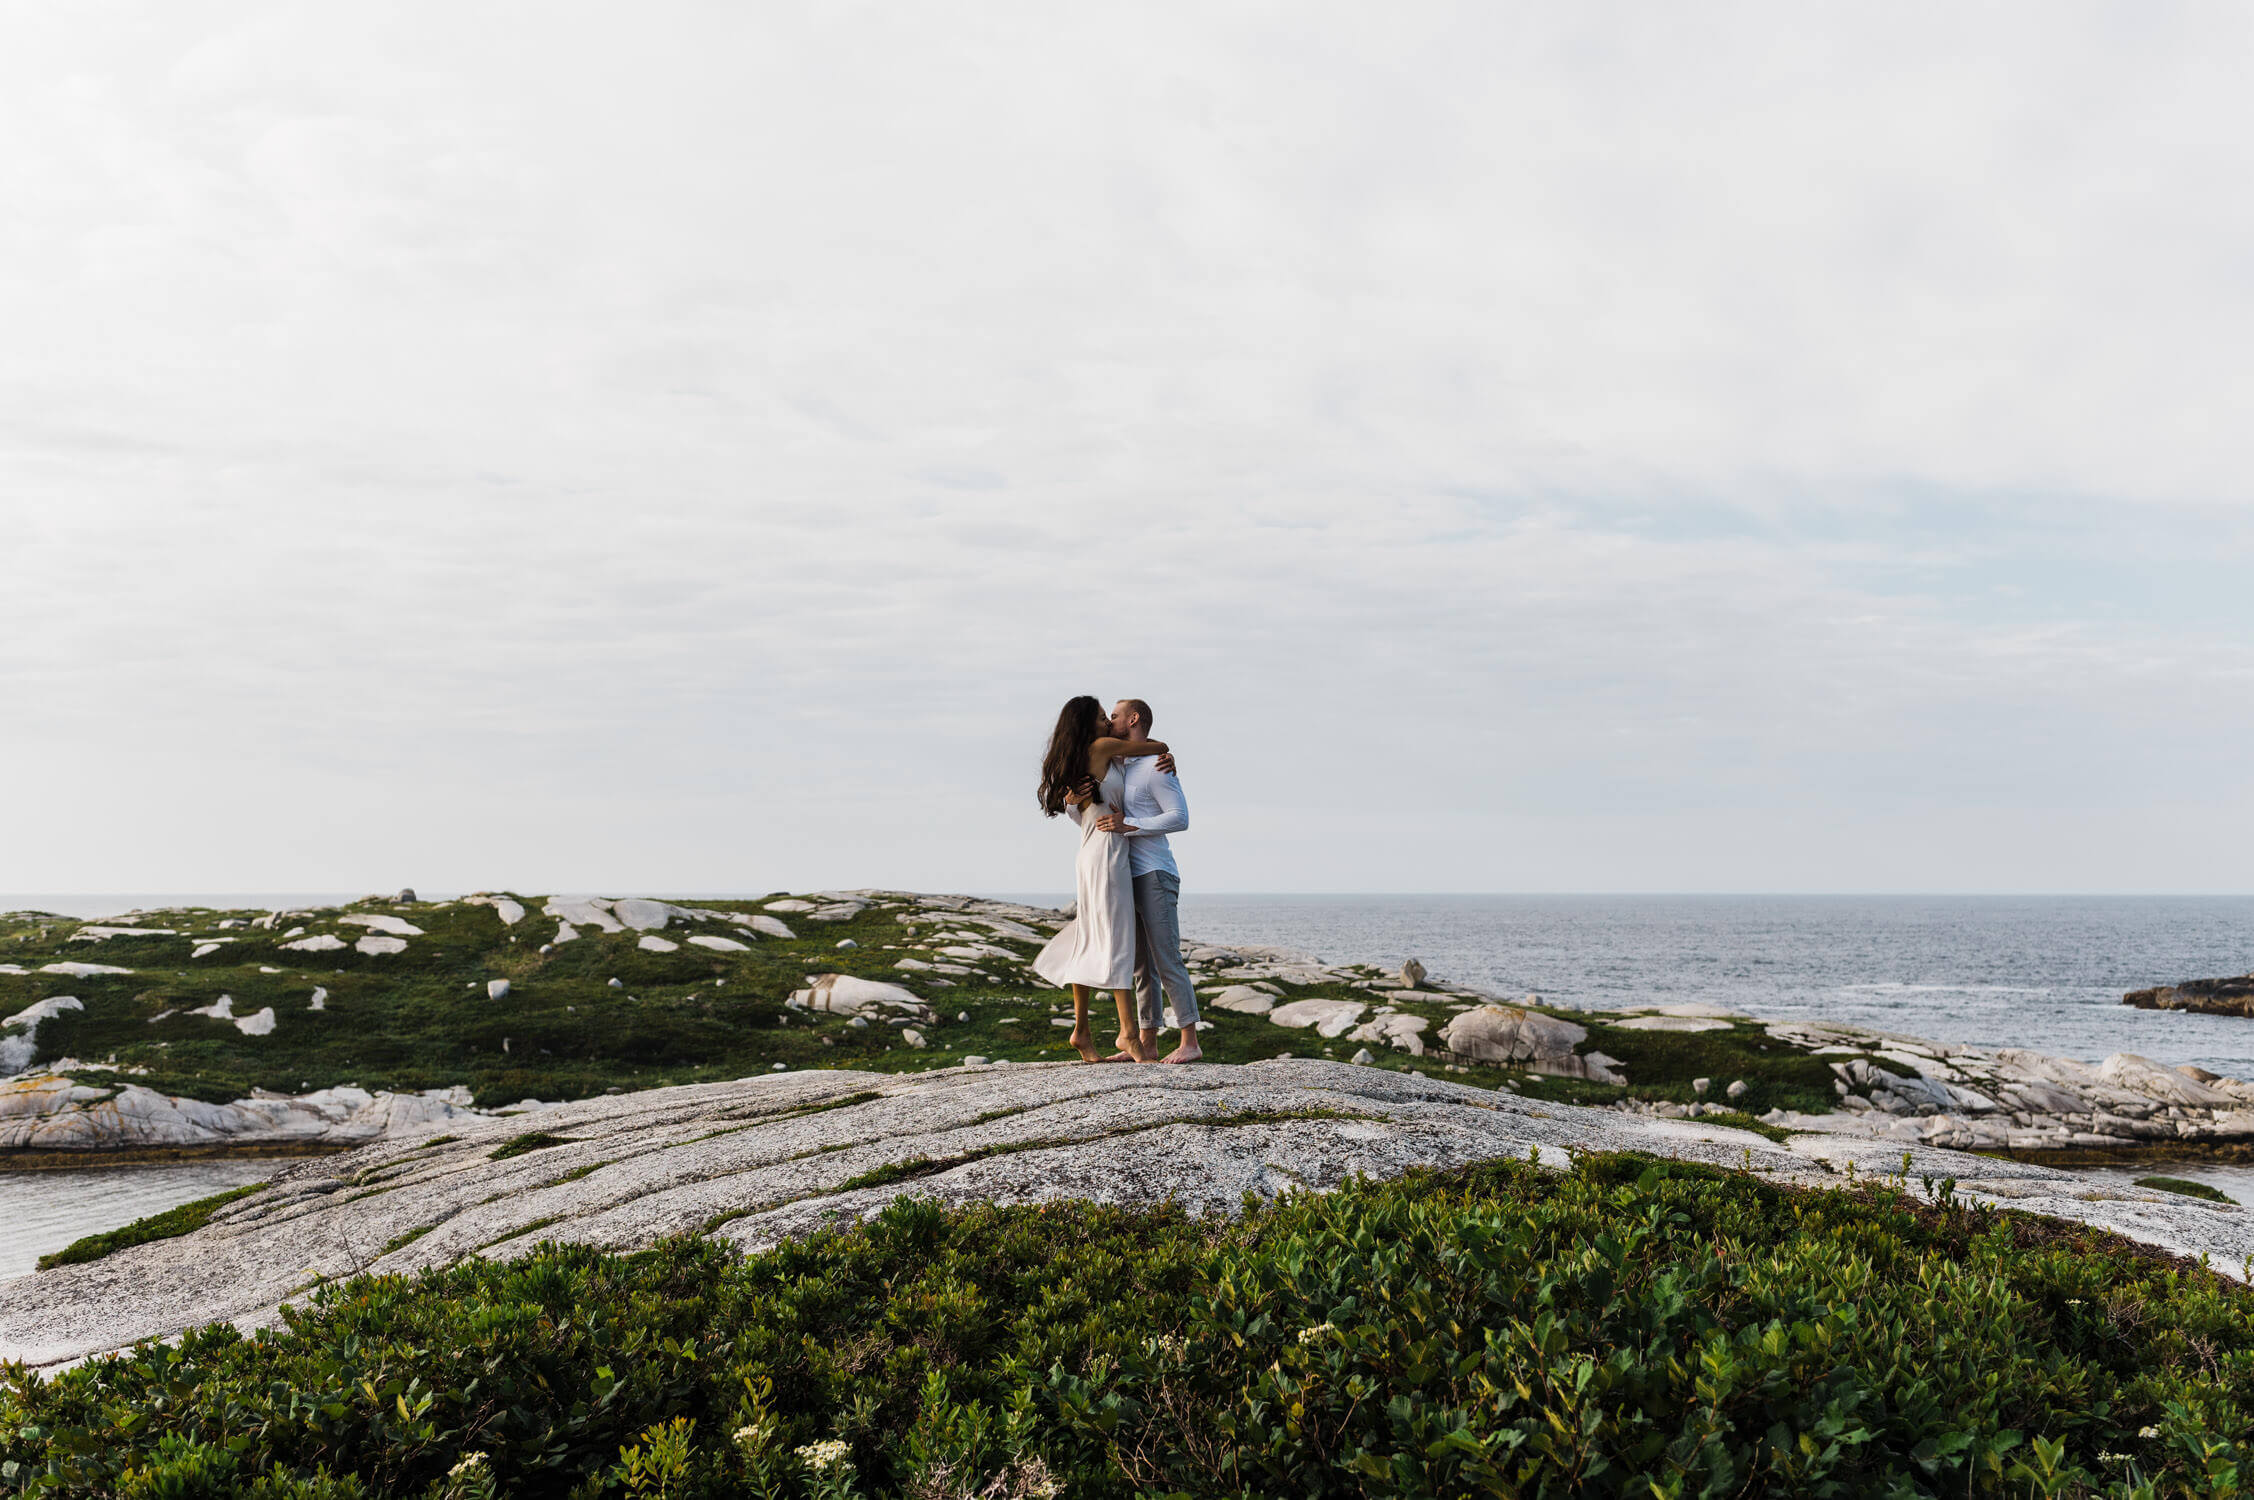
(1884, 1086)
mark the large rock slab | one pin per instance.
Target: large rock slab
(763, 1159)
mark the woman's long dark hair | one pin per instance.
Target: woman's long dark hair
(1080, 725)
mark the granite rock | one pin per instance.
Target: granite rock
(758, 1161)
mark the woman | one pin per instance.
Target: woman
(1096, 949)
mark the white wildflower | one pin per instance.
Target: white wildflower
(1171, 1345)
(1310, 1335)
(2148, 1432)
(824, 1456)
(471, 1463)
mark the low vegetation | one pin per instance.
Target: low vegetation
(422, 1018)
(1630, 1328)
(185, 1219)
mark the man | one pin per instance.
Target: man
(1155, 808)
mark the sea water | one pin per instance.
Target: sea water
(41, 1212)
(2044, 972)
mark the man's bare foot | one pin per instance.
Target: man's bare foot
(1188, 1052)
(1085, 1044)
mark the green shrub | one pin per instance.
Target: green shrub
(1632, 1328)
(185, 1219)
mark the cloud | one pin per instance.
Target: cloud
(1621, 447)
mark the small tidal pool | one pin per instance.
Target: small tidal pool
(41, 1212)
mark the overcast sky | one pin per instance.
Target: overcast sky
(694, 447)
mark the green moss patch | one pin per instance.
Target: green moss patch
(2186, 1187)
(531, 1140)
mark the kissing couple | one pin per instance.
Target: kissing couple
(1126, 932)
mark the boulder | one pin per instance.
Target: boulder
(1670, 1023)
(510, 912)
(642, 916)
(87, 971)
(496, 989)
(847, 995)
(376, 946)
(260, 1023)
(1328, 1017)
(719, 944)
(323, 942)
(396, 926)
(1244, 999)
(587, 913)
(770, 926)
(1412, 974)
(1542, 1044)
(1404, 1032)
(650, 942)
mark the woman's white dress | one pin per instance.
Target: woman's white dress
(1097, 947)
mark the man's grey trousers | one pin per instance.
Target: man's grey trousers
(1158, 952)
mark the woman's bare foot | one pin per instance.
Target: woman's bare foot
(1084, 1043)
(1130, 1047)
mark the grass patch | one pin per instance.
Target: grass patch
(1629, 1327)
(185, 1219)
(1738, 1119)
(1278, 1116)
(517, 1234)
(576, 1173)
(2188, 1188)
(436, 1140)
(531, 1140)
(901, 1171)
(401, 1241)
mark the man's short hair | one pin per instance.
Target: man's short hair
(1140, 709)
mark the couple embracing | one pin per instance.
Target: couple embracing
(1126, 935)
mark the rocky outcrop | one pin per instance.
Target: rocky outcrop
(763, 1159)
(54, 1112)
(1975, 1098)
(2212, 997)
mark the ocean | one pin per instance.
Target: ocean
(2045, 972)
